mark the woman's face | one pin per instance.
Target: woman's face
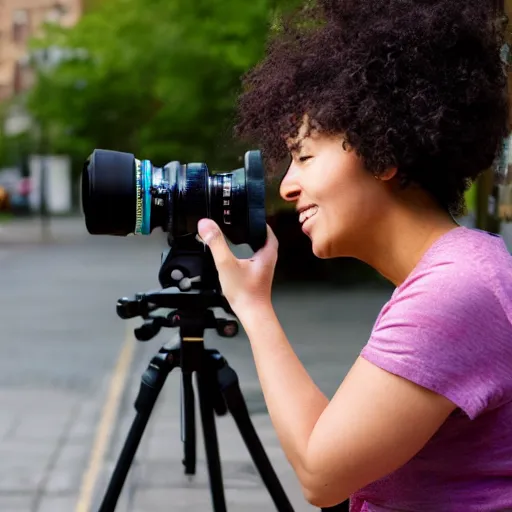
(344, 202)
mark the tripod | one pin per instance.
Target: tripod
(189, 268)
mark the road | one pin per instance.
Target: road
(70, 371)
(60, 340)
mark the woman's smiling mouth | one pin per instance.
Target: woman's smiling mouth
(307, 213)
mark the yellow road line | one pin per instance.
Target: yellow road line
(106, 425)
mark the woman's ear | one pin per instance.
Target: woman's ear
(387, 175)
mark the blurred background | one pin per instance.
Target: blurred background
(158, 79)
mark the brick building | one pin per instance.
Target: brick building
(20, 20)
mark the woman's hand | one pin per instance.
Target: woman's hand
(246, 283)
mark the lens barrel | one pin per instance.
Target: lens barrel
(122, 195)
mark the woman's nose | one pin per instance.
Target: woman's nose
(289, 188)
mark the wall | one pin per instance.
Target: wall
(20, 20)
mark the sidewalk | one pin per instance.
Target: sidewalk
(34, 230)
(59, 342)
(45, 439)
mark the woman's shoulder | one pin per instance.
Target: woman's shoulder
(460, 290)
(469, 249)
(461, 286)
(465, 263)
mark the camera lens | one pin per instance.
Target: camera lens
(109, 193)
(122, 195)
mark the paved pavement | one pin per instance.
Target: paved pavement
(61, 344)
(60, 340)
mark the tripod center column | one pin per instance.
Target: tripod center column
(192, 326)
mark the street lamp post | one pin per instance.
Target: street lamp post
(43, 177)
(44, 60)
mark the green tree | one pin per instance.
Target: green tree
(158, 81)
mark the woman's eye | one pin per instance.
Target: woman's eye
(304, 158)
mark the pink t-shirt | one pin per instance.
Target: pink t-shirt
(448, 328)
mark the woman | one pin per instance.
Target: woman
(389, 110)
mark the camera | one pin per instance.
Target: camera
(122, 195)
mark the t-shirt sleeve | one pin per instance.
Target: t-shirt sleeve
(437, 331)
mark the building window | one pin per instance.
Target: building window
(22, 78)
(20, 26)
(55, 13)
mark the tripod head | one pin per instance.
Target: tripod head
(190, 287)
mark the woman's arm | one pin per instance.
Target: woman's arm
(375, 423)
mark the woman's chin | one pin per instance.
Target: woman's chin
(320, 249)
(325, 248)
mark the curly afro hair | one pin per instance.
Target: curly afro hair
(414, 84)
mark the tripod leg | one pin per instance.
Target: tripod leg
(153, 380)
(228, 382)
(188, 427)
(211, 442)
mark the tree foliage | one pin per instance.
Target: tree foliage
(159, 80)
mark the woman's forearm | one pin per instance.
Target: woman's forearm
(293, 400)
